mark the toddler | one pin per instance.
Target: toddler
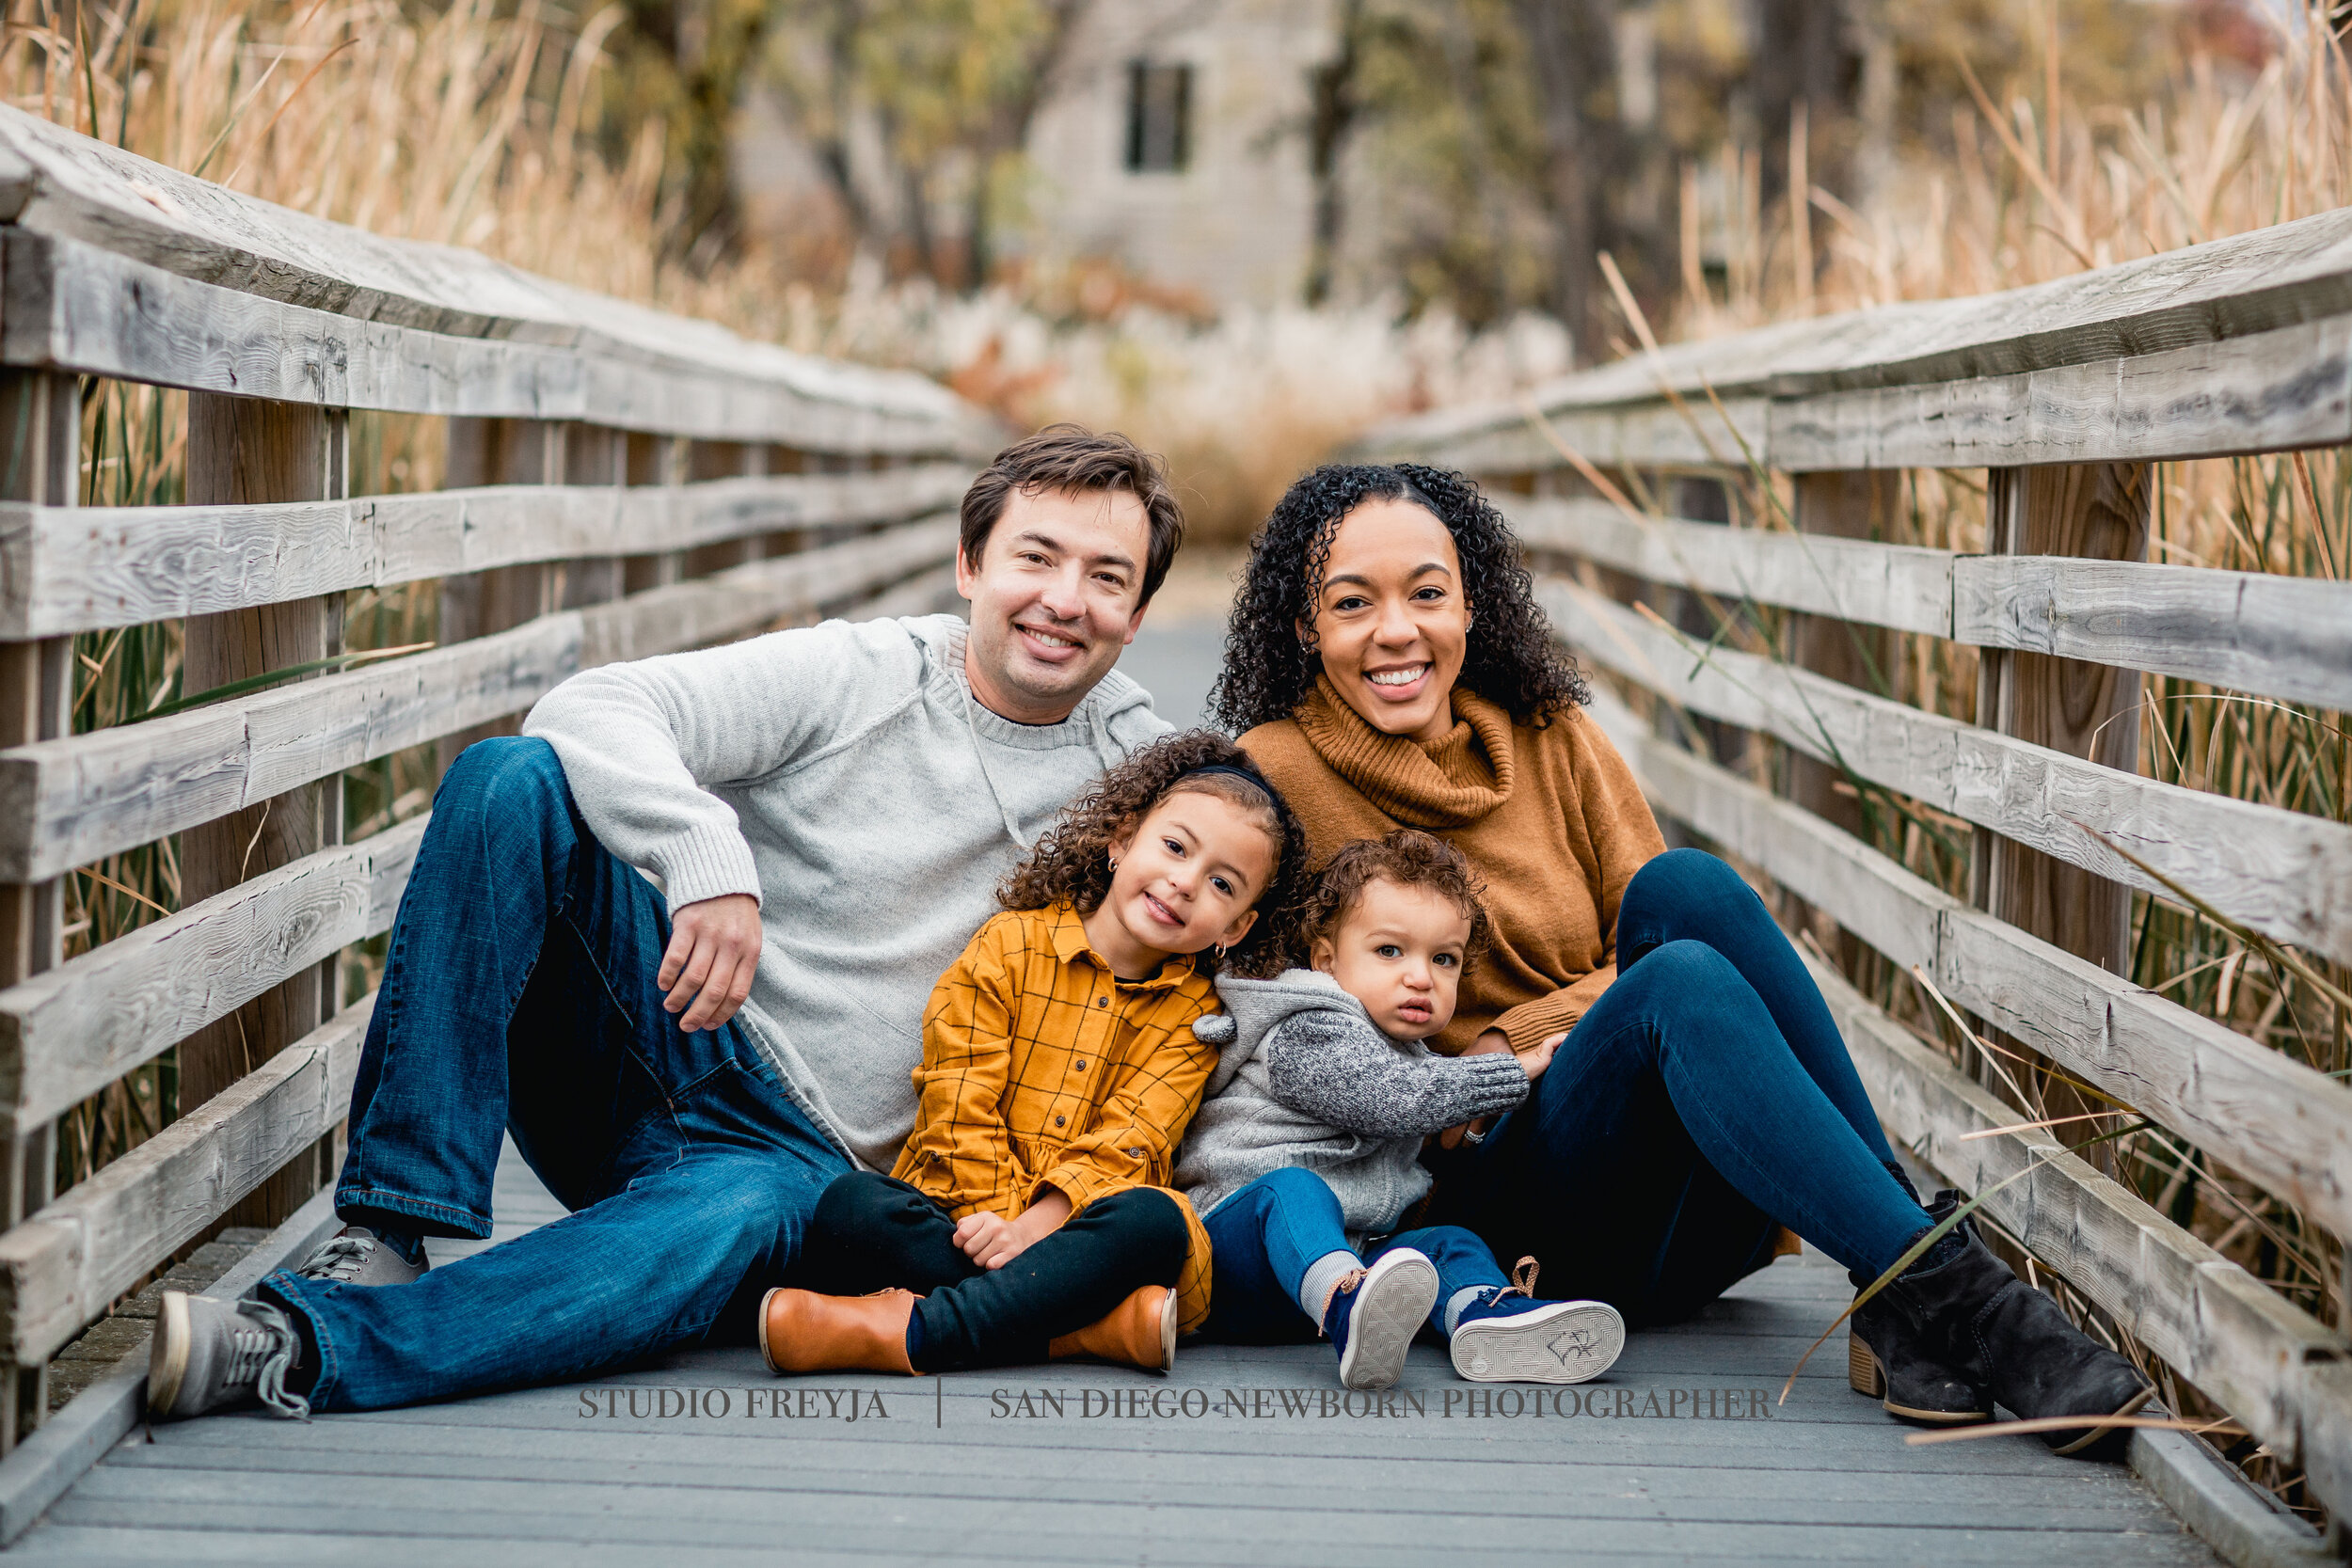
(1306, 1155)
(1029, 1212)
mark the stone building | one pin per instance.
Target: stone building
(1175, 141)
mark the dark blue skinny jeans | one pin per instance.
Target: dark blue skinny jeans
(1263, 1239)
(1705, 1101)
(519, 996)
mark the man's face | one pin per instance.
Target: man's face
(1055, 596)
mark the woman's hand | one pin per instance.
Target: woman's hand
(993, 1241)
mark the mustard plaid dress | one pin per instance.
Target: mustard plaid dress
(1042, 1067)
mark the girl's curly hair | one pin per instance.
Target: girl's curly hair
(1511, 661)
(1072, 862)
(1409, 859)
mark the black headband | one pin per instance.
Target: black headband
(1242, 773)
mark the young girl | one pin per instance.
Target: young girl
(1029, 1212)
(1309, 1146)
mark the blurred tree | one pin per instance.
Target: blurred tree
(920, 107)
(684, 63)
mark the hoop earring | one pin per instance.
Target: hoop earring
(1220, 952)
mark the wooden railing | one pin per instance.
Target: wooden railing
(624, 483)
(2065, 393)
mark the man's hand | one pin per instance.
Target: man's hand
(993, 1241)
(713, 953)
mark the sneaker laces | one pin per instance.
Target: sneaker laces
(1523, 1275)
(262, 1355)
(1344, 1285)
(340, 1260)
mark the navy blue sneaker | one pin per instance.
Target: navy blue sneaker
(1511, 1337)
(1373, 1314)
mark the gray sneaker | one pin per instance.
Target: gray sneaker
(210, 1354)
(357, 1257)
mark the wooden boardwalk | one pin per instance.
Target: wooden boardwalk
(952, 1469)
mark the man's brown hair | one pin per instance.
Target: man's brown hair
(1072, 457)
(1408, 858)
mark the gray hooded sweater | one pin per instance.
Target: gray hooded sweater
(1306, 1079)
(844, 775)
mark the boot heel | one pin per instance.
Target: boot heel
(1862, 1372)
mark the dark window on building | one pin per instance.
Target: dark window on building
(1159, 118)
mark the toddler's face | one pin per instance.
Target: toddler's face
(1190, 876)
(1399, 952)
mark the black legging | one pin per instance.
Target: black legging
(871, 1232)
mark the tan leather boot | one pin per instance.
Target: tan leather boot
(1138, 1332)
(801, 1331)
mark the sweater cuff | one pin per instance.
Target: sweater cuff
(1497, 1082)
(1527, 1025)
(705, 862)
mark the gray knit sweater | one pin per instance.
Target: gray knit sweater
(1308, 1080)
(844, 775)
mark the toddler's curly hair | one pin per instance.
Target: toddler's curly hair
(1072, 862)
(1408, 858)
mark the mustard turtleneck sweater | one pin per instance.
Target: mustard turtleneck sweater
(1550, 817)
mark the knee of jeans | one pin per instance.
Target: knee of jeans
(1679, 876)
(1297, 1184)
(505, 772)
(1156, 1223)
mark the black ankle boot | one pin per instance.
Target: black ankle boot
(1886, 1361)
(1976, 1317)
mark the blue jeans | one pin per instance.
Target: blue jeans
(1705, 1101)
(1263, 1237)
(519, 996)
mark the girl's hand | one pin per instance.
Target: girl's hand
(982, 1237)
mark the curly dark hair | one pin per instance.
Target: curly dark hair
(1511, 661)
(1072, 862)
(1408, 858)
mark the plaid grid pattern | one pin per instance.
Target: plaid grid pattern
(1042, 1067)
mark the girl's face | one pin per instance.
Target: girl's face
(1391, 621)
(1186, 878)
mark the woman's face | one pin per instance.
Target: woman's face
(1391, 621)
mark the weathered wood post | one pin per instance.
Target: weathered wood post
(1848, 505)
(2096, 511)
(244, 451)
(40, 422)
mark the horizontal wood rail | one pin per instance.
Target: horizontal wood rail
(65, 569)
(666, 485)
(2249, 631)
(2064, 392)
(2288, 875)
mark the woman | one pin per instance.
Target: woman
(1387, 665)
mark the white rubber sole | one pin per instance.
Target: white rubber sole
(167, 1356)
(1565, 1341)
(1393, 1301)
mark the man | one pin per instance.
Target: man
(829, 811)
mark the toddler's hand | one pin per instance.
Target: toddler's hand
(1538, 1056)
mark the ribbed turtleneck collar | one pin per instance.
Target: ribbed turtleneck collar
(1447, 782)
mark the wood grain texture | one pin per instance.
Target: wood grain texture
(1901, 586)
(63, 1266)
(64, 803)
(78, 191)
(68, 1032)
(2142, 354)
(2265, 393)
(2287, 874)
(71, 305)
(2276, 1120)
(2272, 636)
